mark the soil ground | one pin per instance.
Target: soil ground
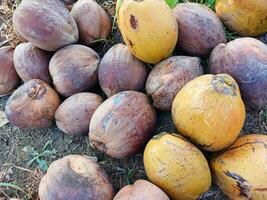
(17, 148)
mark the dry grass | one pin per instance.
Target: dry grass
(110, 7)
(7, 32)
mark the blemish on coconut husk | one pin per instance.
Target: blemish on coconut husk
(134, 23)
(37, 91)
(260, 189)
(118, 99)
(130, 42)
(247, 143)
(224, 84)
(241, 183)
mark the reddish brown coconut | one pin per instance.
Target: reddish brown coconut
(141, 189)
(31, 62)
(8, 75)
(119, 71)
(169, 76)
(245, 59)
(92, 20)
(46, 23)
(75, 177)
(74, 114)
(200, 30)
(74, 69)
(122, 124)
(32, 105)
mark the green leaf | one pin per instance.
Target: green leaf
(46, 144)
(211, 4)
(119, 2)
(32, 161)
(12, 186)
(42, 164)
(172, 3)
(48, 152)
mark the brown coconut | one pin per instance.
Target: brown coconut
(8, 76)
(31, 62)
(200, 30)
(74, 114)
(45, 23)
(120, 71)
(122, 124)
(74, 69)
(92, 20)
(169, 76)
(141, 189)
(32, 105)
(75, 177)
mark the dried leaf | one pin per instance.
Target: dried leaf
(3, 119)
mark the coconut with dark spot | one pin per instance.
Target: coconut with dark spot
(74, 114)
(122, 124)
(32, 63)
(241, 169)
(200, 30)
(75, 177)
(119, 71)
(169, 76)
(74, 69)
(92, 20)
(8, 75)
(45, 23)
(148, 28)
(32, 105)
(245, 59)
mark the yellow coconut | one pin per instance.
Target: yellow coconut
(241, 170)
(209, 111)
(148, 28)
(246, 17)
(177, 167)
